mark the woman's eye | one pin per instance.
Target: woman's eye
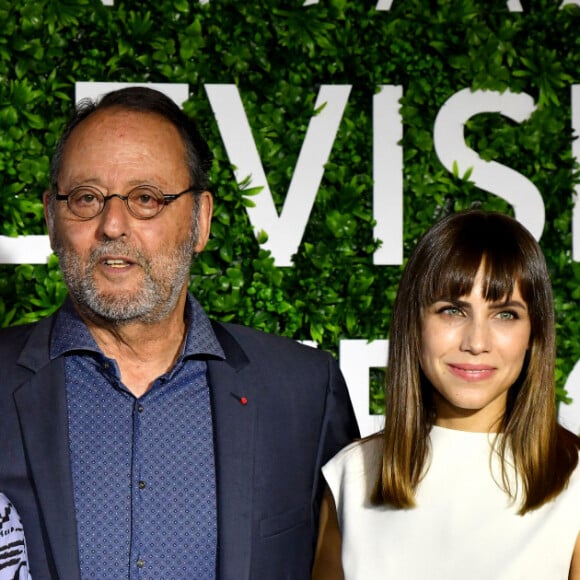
(507, 315)
(450, 311)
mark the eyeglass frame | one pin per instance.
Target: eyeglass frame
(167, 199)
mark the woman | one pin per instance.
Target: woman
(472, 477)
(13, 559)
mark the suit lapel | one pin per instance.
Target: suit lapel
(41, 406)
(234, 424)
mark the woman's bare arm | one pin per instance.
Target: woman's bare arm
(575, 566)
(327, 561)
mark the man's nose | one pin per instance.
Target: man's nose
(115, 219)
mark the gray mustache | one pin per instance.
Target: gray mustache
(117, 248)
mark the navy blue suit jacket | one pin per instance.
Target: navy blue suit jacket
(268, 452)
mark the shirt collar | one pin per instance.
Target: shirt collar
(71, 335)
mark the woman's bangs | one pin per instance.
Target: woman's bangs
(451, 277)
(455, 276)
(500, 278)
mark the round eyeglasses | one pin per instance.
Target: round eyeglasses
(143, 202)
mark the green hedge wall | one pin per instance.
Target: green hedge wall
(279, 53)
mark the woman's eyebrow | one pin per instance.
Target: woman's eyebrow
(510, 304)
(454, 301)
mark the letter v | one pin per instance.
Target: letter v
(284, 231)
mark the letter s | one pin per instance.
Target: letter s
(490, 176)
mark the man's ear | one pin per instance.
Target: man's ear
(48, 215)
(204, 214)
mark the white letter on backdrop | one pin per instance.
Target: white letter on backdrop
(388, 175)
(285, 231)
(489, 175)
(24, 250)
(515, 6)
(356, 357)
(569, 415)
(381, 4)
(575, 114)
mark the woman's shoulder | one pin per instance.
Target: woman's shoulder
(359, 459)
(358, 450)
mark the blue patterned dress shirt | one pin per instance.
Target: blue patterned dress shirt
(143, 468)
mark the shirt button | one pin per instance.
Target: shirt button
(106, 365)
(140, 563)
(140, 408)
(141, 485)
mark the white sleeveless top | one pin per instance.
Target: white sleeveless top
(464, 526)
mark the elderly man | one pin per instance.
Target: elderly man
(140, 439)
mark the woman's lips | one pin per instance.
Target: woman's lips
(471, 372)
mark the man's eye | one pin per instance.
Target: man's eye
(145, 198)
(83, 198)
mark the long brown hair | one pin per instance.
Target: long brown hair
(445, 263)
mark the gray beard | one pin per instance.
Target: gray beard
(164, 277)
